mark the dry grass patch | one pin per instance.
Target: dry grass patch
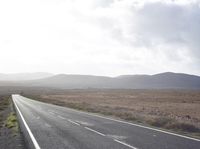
(177, 110)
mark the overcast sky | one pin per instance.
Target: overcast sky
(100, 37)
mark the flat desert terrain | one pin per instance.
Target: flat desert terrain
(176, 110)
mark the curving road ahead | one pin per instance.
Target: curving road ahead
(47, 126)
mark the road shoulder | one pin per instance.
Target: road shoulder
(10, 135)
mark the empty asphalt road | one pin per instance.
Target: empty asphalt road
(54, 127)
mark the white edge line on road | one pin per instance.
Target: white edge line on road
(138, 125)
(35, 143)
(94, 131)
(73, 122)
(125, 144)
(61, 117)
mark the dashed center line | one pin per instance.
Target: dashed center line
(125, 144)
(95, 131)
(52, 113)
(47, 125)
(61, 117)
(73, 122)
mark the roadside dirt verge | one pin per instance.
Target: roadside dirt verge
(10, 135)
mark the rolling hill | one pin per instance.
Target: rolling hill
(167, 80)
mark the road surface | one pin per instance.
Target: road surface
(54, 127)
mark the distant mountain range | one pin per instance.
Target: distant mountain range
(167, 80)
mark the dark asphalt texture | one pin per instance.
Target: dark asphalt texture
(56, 127)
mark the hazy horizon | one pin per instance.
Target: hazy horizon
(54, 74)
(100, 37)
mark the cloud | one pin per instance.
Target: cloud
(153, 24)
(170, 25)
(106, 37)
(166, 28)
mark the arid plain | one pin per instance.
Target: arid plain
(175, 110)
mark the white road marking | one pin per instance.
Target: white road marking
(116, 137)
(35, 143)
(137, 125)
(125, 144)
(73, 122)
(52, 113)
(95, 131)
(61, 117)
(46, 124)
(85, 123)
